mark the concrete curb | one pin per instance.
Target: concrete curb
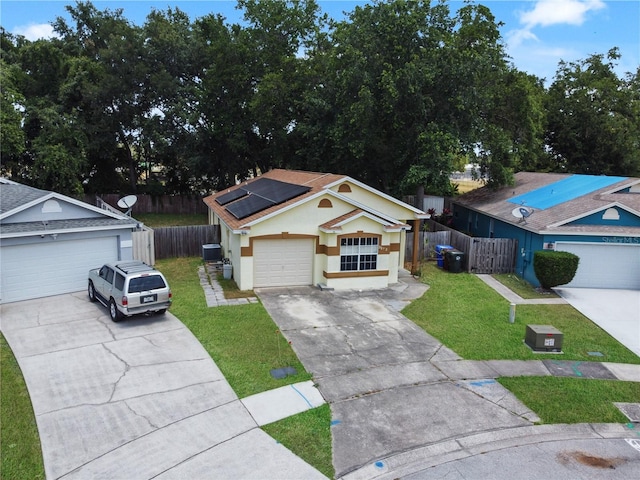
(449, 450)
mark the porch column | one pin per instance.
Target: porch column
(416, 240)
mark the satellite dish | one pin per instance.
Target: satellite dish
(127, 202)
(522, 213)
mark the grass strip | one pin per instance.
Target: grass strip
(20, 450)
(467, 315)
(308, 435)
(231, 289)
(573, 400)
(522, 287)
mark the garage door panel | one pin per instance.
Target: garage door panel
(279, 263)
(40, 270)
(605, 265)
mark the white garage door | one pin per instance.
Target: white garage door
(33, 271)
(605, 265)
(280, 263)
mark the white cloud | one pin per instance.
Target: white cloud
(551, 12)
(554, 12)
(34, 31)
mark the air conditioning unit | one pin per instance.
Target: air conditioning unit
(549, 246)
(543, 338)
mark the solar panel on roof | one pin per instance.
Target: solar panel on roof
(231, 196)
(248, 206)
(564, 190)
(276, 190)
(260, 195)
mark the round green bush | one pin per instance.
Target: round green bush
(554, 268)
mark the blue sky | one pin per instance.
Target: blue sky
(538, 33)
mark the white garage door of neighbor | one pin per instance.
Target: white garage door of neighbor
(52, 268)
(281, 263)
(605, 265)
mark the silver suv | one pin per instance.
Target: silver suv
(129, 288)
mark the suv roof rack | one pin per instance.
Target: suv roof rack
(133, 267)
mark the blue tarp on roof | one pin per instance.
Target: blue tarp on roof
(564, 190)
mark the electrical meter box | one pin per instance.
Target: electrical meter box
(543, 338)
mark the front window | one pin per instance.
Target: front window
(358, 253)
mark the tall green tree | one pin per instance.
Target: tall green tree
(594, 121)
(280, 35)
(103, 88)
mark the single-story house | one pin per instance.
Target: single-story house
(49, 242)
(595, 217)
(286, 228)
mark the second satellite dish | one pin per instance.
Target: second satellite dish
(127, 202)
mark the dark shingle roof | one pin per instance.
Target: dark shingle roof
(15, 195)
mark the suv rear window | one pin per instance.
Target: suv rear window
(142, 284)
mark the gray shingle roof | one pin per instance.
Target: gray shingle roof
(58, 225)
(13, 196)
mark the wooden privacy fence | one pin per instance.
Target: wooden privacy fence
(176, 204)
(143, 246)
(482, 255)
(184, 241)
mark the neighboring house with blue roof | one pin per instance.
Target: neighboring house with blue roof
(595, 217)
(49, 242)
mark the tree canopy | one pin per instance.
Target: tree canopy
(398, 95)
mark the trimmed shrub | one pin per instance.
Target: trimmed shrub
(554, 268)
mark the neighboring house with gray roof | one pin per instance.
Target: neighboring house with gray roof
(49, 242)
(595, 217)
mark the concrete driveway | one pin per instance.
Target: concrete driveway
(615, 311)
(139, 399)
(381, 374)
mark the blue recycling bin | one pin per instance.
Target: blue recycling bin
(440, 250)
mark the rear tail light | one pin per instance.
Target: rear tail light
(170, 294)
(125, 301)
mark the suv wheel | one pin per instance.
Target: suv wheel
(115, 314)
(92, 292)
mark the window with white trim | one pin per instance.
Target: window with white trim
(358, 253)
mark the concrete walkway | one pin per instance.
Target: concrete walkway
(514, 297)
(213, 293)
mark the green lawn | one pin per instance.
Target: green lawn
(573, 400)
(468, 316)
(308, 434)
(242, 339)
(157, 220)
(20, 452)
